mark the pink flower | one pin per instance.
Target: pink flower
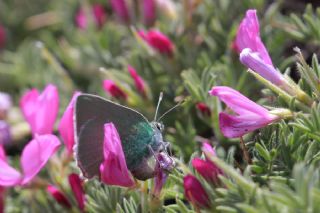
(115, 91)
(66, 126)
(253, 61)
(5, 134)
(5, 105)
(149, 11)
(158, 41)
(34, 157)
(2, 36)
(140, 84)
(114, 170)
(41, 110)
(120, 8)
(248, 36)
(77, 189)
(203, 108)
(195, 193)
(249, 115)
(59, 196)
(98, 13)
(253, 53)
(207, 148)
(207, 169)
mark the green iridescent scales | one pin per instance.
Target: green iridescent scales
(135, 146)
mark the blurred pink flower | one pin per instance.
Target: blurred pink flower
(34, 157)
(158, 41)
(114, 170)
(77, 189)
(41, 110)
(5, 105)
(59, 196)
(250, 116)
(139, 82)
(248, 36)
(2, 37)
(195, 192)
(98, 13)
(120, 8)
(2, 189)
(149, 11)
(66, 126)
(115, 91)
(203, 108)
(5, 134)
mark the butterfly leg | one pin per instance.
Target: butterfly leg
(153, 153)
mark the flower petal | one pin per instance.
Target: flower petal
(114, 170)
(36, 154)
(138, 81)
(248, 36)
(59, 196)
(237, 126)
(66, 126)
(77, 189)
(8, 175)
(149, 11)
(238, 102)
(253, 61)
(41, 111)
(195, 192)
(120, 8)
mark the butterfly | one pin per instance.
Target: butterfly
(141, 140)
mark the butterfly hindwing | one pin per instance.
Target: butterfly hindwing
(91, 113)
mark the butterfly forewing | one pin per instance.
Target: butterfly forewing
(91, 113)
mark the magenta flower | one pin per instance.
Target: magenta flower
(59, 196)
(248, 36)
(207, 169)
(41, 110)
(203, 108)
(34, 157)
(66, 126)
(2, 37)
(138, 81)
(120, 8)
(195, 192)
(5, 105)
(158, 41)
(98, 13)
(249, 115)
(77, 189)
(114, 170)
(115, 91)
(149, 11)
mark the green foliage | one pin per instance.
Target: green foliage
(284, 173)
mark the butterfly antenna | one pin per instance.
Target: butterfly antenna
(159, 101)
(172, 108)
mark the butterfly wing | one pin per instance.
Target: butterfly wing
(91, 113)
